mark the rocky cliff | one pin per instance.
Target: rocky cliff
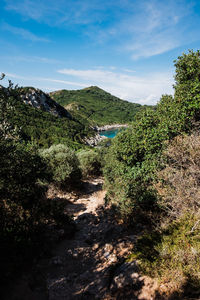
(39, 99)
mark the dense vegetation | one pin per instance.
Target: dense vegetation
(40, 127)
(37, 150)
(63, 164)
(96, 105)
(25, 212)
(151, 174)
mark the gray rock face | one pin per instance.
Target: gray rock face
(40, 100)
(93, 141)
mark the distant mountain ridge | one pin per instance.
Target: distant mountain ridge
(96, 105)
(43, 121)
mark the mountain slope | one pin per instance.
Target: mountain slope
(41, 120)
(41, 100)
(96, 105)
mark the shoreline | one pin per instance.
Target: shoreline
(93, 141)
(109, 127)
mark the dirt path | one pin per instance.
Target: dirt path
(91, 265)
(81, 266)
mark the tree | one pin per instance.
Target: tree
(187, 87)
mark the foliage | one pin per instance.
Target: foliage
(90, 163)
(24, 210)
(131, 162)
(171, 251)
(63, 164)
(20, 192)
(187, 87)
(173, 256)
(135, 155)
(37, 126)
(178, 181)
(96, 105)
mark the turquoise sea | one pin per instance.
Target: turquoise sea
(109, 133)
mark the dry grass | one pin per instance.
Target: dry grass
(179, 181)
(172, 253)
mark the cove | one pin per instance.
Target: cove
(109, 133)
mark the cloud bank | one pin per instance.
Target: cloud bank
(144, 90)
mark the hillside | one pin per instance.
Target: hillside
(96, 105)
(56, 224)
(40, 120)
(41, 100)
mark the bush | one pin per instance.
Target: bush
(25, 211)
(171, 252)
(63, 165)
(178, 183)
(134, 158)
(21, 193)
(173, 256)
(90, 163)
(22, 205)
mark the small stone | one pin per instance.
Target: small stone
(75, 254)
(108, 248)
(106, 254)
(95, 247)
(113, 258)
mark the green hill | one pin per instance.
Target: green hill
(39, 119)
(96, 105)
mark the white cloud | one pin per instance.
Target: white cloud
(128, 71)
(40, 79)
(142, 28)
(155, 45)
(30, 59)
(83, 85)
(155, 28)
(25, 34)
(144, 90)
(11, 75)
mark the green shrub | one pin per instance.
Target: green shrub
(25, 212)
(20, 172)
(134, 157)
(173, 256)
(171, 252)
(22, 204)
(64, 165)
(89, 162)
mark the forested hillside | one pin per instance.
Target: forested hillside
(96, 105)
(41, 120)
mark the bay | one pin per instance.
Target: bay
(109, 133)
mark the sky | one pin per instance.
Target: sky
(126, 47)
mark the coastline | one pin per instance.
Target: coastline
(109, 127)
(93, 141)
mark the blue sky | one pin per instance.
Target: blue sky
(126, 47)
